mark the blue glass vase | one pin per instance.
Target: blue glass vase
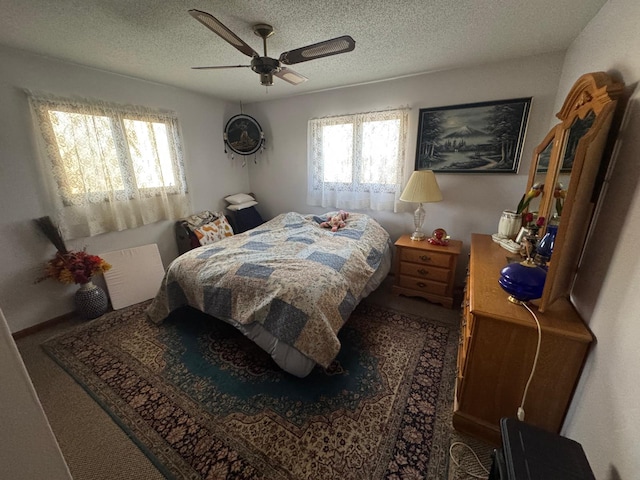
(523, 281)
(545, 246)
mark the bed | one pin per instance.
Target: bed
(289, 285)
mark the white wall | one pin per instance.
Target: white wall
(605, 415)
(472, 202)
(210, 175)
(29, 448)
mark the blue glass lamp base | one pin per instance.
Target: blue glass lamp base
(523, 281)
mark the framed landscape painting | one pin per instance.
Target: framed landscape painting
(473, 138)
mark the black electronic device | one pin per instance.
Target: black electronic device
(530, 453)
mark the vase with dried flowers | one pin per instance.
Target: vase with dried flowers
(77, 267)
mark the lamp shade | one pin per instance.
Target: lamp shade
(422, 188)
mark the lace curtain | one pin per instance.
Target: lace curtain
(108, 167)
(357, 161)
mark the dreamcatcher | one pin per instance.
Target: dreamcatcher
(243, 135)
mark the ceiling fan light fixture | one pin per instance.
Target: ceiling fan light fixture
(266, 79)
(292, 77)
(265, 65)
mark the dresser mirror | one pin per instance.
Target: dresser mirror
(567, 164)
(540, 167)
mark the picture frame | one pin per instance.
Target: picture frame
(243, 135)
(484, 137)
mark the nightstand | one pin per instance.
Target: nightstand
(425, 270)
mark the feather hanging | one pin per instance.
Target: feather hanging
(52, 232)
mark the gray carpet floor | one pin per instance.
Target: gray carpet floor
(95, 448)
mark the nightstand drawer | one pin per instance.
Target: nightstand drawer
(426, 286)
(425, 257)
(422, 271)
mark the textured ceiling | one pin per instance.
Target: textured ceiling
(158, 40)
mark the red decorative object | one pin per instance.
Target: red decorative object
(439, 237)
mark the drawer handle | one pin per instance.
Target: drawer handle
(425, 258)
(422, 271)
(421, 284)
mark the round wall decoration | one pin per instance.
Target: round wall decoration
(243, 135)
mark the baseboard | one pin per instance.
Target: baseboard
(42, 326)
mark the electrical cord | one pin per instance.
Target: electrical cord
(520, 412)
(466, 472)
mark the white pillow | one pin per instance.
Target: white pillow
(241, 206)
(239, 198)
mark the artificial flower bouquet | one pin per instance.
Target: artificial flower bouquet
(530, 221)
(68, 266)
(75, 267)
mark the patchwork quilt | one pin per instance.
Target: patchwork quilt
(300, 281)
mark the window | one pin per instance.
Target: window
(109, 167)
(357, 161)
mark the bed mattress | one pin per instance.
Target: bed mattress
(289, 284)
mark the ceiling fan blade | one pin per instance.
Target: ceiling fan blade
(288, 75)
(318, 50)
(220, 67)
(213, 24)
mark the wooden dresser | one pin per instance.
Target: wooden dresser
(497, 348)
(425, 270)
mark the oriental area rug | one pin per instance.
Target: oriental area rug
(204, 402)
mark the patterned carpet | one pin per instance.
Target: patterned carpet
(202, 401)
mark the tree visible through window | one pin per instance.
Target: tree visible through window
(357, 161)
(110, 167)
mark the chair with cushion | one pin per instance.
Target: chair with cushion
(209, 226)
(199, 229)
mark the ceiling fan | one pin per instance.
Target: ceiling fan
(266, 66)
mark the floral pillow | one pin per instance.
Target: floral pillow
(214, 231)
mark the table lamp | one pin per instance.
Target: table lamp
(421, 188)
